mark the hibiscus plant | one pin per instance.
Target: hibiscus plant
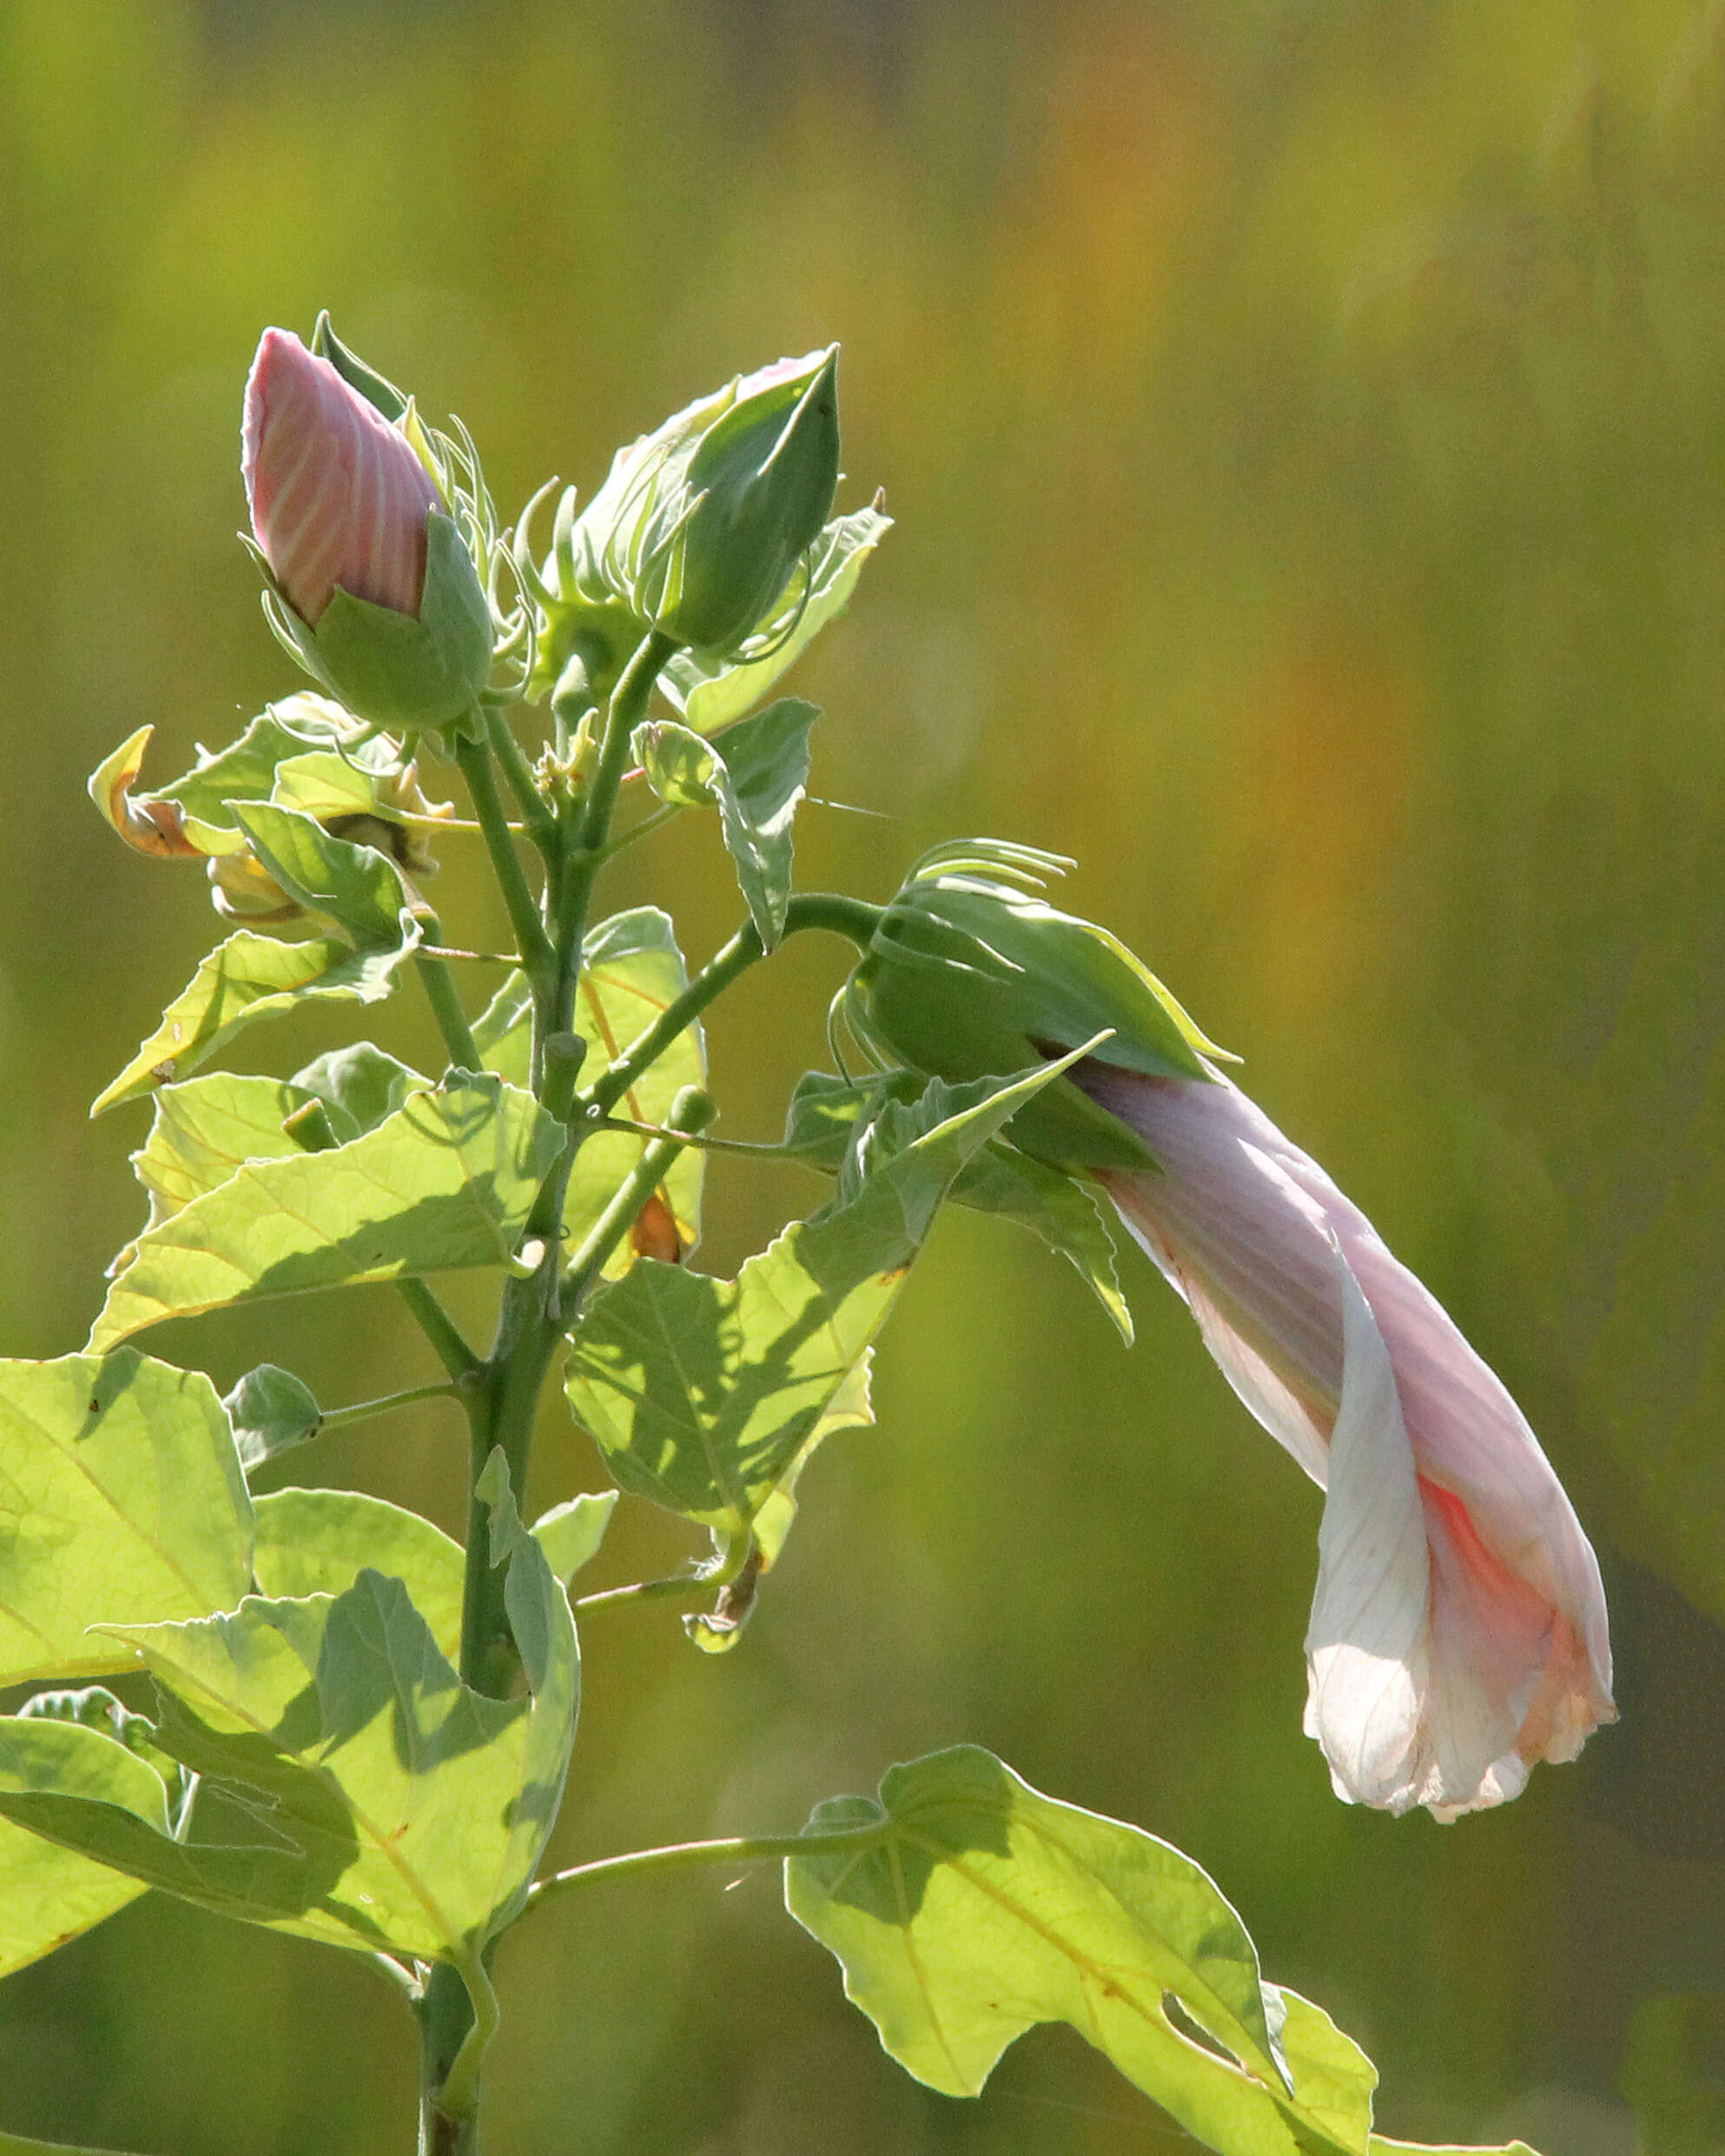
(341, 1724)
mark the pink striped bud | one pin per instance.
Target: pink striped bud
(1458, 1629)
(337, 496)
(372, 587)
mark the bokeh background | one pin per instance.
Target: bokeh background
(1306, 425)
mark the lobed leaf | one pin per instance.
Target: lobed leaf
(754, 783)
(121, 1500)
(444, 1184)
(711, 692)
(702, 1394)
(632, 972)
(351, 1788)
(989, 1908)
(251, 976)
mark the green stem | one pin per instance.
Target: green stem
(852, 917)
(628, 707)
(667, 813)
(475, 760)
(339, 1417)
(536, 810)
(732, 1850)
(453, 1352)
(689, 1111)
(452, 1020)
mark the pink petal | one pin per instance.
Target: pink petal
(337, 496)
(1511, 1660)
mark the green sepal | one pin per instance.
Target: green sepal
(710, 691)
(971, 972)
(395, 672)
(377, 390)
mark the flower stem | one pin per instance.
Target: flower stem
(851, 917)
(474, 758)
(690, 1108)
(536, 813)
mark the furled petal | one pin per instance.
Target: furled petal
(1366, 1645)
(338, 495)
(1511, 1661)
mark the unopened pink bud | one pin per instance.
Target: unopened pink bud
(337, 496)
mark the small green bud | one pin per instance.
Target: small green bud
(701, 525)
(972, 974)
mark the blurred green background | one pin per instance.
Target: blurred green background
(1306, 426)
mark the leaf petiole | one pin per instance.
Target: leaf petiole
(729, 1849)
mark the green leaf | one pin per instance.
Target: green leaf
(821, 1125)
(990, 1908)
(271, 1411)
(702, 1394)
(851, 1409)
(251, 976)
(318, 1541)
(390, 1805)
(92, 1796)
(711, 693)
(48, 1895)
(356, 887)
(444, 1184)
(360, 1085)
(569, 1534)
(633, 971)
(121, 1500)
(755, 785)
(205, 1130)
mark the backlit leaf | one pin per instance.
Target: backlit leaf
(632, 972)
(755, 783)
(702, 1394)
(444, 1184)
(988, 1908)
(251, 976)
(121, 1500)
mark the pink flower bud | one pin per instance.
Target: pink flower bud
(338, 495)
(1459, 1630)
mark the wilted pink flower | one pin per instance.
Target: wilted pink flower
(1458, 1629)
(338, 495)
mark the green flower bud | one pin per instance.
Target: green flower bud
(972, 974)
(699, 527)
